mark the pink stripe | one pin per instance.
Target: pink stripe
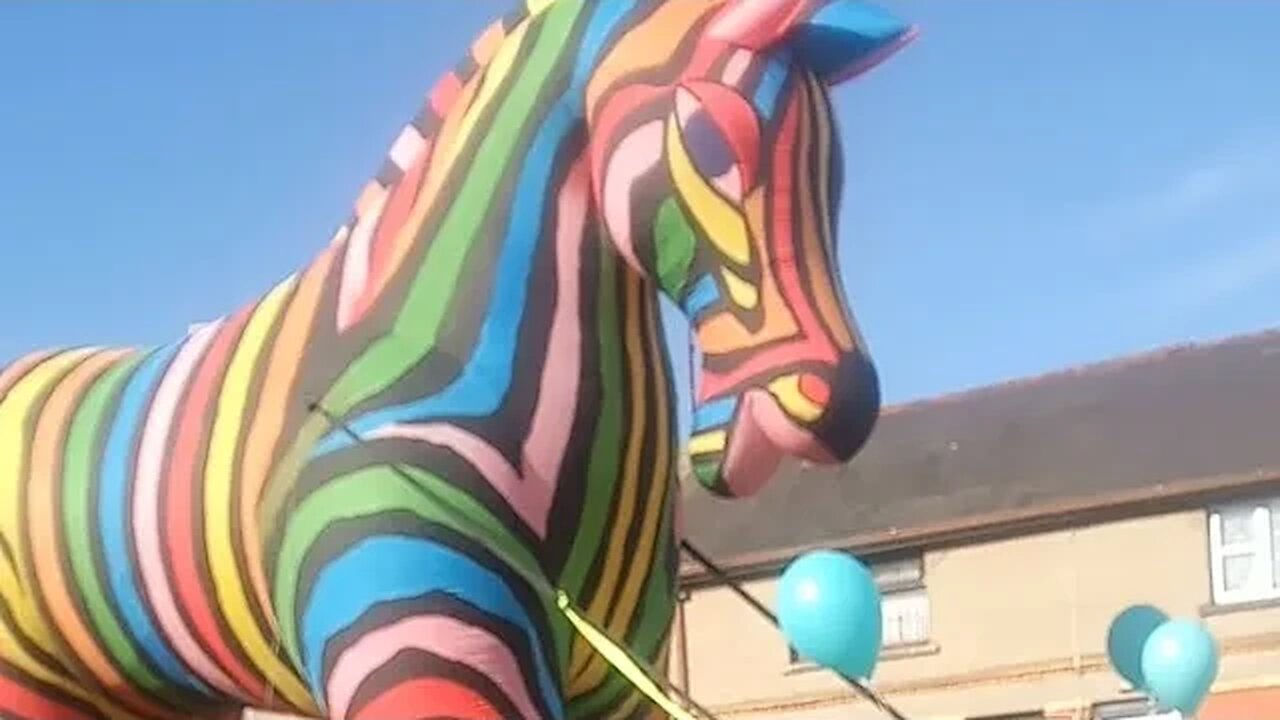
(552, 422)
(443, 636)
(760, 436)
(355, 266)
(634, 156)
(532, 502)
(736, 68)
(146, 507)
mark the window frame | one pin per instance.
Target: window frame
(1263, 585)
(1137, 709)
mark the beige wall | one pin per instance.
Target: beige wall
(1015, 625)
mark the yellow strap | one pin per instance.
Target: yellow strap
(619, 659)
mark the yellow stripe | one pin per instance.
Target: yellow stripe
(624, 608)
(276, 401)
(618, 658)
(16, 424)
(787, 390)
(742, 292)
(233, 597)
(616, 544)
(707, 442)
(722, 223)
(537, 6)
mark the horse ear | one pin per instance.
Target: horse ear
(837, 39)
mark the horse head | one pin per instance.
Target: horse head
(717, 168)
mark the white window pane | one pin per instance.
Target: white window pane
(905, 618)
(1238, 526)
(1237, 571)
(1275, 556)
(1275, 544)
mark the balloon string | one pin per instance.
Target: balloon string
(736, 587)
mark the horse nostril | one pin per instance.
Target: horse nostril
(852, 408)
(815, 388)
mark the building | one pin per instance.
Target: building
(1008, 526)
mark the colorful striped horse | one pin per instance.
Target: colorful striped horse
(347, 499)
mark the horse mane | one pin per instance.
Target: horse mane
(386, 200)
(444, 95)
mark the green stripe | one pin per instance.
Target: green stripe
(419, 320)
(655, 617)
(377, 490)
(675, 246)
(82, 446)
(602, 470)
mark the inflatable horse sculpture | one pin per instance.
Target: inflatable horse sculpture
(354, 497)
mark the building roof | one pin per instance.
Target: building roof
(1135, 432)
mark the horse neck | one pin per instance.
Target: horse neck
(614, 446)
(475, 282)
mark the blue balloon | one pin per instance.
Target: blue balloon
(829, 609)
(1180, 663)
(1126, 638)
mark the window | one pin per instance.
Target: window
(904, 604)
(1131, 710)
(1244, 552)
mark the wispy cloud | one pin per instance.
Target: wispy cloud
(1246, 164)
(1232, 271)
(1209, 191)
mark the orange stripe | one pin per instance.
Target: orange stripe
(43, 512)
(656, 38)
(483, 49)
(277, 399)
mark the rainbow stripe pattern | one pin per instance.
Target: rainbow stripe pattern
(331, 501)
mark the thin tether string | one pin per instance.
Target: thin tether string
(736, 587)
(866, 692)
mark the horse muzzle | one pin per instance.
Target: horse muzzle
(823, 416)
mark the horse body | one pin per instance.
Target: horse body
(346, 500)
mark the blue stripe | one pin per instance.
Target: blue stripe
(771, 80)
(484, 382)
(715, 413)
(390, 568)
(607, 18)
(115, 515)
(702, 294)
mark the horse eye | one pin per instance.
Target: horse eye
(708, 148)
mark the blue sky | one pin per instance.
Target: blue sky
(1032, 185)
